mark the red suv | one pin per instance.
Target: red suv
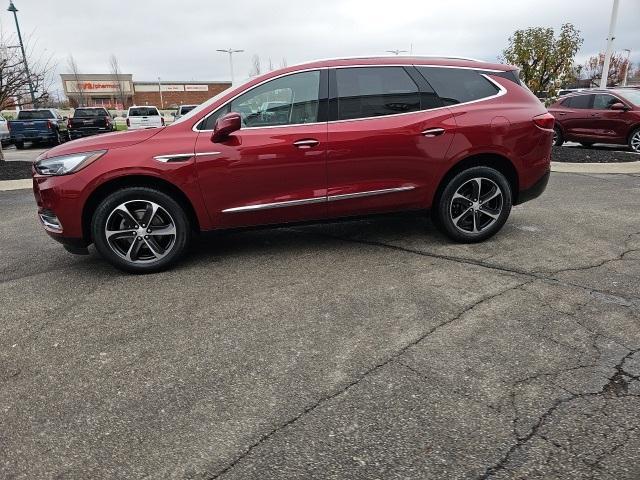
(599, 116)
(322, 140)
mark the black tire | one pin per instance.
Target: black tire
(558, 138)
(634, 141)
(587, 144)
(133, 196)
(57, 140)
(20, 145)
(500, 206)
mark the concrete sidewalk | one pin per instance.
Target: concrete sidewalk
(623, 167)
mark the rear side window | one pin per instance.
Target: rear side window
(458, 85)
(579, 102)
(143, 112)
(374, 92)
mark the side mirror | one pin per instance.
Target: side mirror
(619, 106)
(225, 126)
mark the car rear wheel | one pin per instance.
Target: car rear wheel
(634, 140)
(558, 138)
(474, 205)
(140, 230)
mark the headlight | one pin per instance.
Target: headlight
(65, 164)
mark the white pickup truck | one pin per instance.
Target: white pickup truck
(144, 117)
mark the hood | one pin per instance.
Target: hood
(106, 141)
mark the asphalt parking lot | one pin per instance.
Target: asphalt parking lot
(370, 349)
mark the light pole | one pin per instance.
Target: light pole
(230, 51)
(12, 8)
(626, 67)
(610, 39)
(160, 90)
(397, 52)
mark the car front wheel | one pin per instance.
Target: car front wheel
(474, 205)
(634, 140)
(140, 230)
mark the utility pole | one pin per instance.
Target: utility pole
(160, 90)
(626, 69)
(230, 51)
(12, 8)
(397, 52)
(610, 39)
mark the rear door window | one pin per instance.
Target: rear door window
(374, 92)
(458, 85)
(579, 102)
(143, 112)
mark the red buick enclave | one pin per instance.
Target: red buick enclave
(322, 140)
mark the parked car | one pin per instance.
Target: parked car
(38, 125)
(463, 139)
(4, 131)
(598, 116)
(88, 121)
(183, 110)
(144, 117)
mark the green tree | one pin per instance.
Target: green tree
(545, 61)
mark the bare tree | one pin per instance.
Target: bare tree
(283, 63)
(255, 66)
(14, 83)
(271, 68)
(75, 71)
(115, 71)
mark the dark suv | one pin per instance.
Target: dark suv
(599, 116)
(317, 141)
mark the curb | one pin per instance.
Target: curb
(622, 167)
(6, 185)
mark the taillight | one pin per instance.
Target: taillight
(544, 121)
(49, 126)
(128, 122)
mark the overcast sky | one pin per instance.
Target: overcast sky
(177, 39)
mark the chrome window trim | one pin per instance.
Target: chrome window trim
(500, 93)
(309, 201)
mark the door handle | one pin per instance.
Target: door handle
(595, 114)
(433, 132)
(562, 113)
(306, 143)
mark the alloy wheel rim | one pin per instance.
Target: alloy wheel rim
(635, 142)
(476, 205)
(140, 231)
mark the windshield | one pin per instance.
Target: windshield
(631, 95)
(35, 115)
(143, 112)
(90, 112)
(200, 108)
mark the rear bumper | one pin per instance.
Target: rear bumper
(535, 190)
(88, 132)
(33, 137)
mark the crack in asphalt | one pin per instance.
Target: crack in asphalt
(480, 263)
(615, 387)
(361, 377)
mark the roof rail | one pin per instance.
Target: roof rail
(362, 57)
